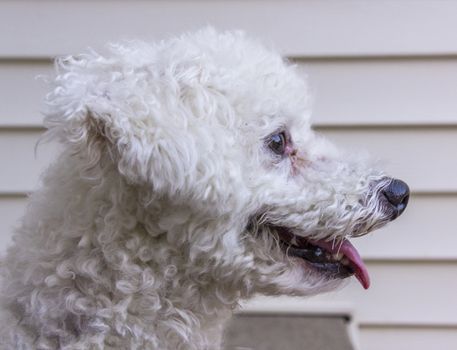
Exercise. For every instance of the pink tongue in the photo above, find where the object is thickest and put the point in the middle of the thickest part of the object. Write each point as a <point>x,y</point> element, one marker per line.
<point>349,251</point>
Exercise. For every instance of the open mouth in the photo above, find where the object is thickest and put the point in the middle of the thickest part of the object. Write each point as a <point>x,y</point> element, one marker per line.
<point>334,260</point>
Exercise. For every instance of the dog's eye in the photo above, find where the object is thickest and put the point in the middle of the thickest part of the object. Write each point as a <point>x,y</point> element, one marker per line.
<point>277,143</point>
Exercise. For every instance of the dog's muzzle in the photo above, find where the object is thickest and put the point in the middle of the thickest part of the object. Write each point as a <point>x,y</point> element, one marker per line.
<point>394,196</point>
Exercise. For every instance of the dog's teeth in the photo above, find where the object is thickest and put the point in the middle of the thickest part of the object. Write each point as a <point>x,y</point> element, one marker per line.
<point>293,241</point>
<point>345,261</point>
<point>338,256</point>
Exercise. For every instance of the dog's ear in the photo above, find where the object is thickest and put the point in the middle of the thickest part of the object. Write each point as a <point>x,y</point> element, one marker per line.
<point>111,108</point>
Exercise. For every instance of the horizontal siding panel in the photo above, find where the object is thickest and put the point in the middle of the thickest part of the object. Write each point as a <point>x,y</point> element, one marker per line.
<point>20,166</point>
<point>383,91</point>
<point>419,156</point>
<point>311,28</point>
<point>403,293</point>
<point>346,92</point>
<point>11,209</point>
<point>400,338</point>
<point>425,231</point>
<point>409,238</point>
<point>21,92</point>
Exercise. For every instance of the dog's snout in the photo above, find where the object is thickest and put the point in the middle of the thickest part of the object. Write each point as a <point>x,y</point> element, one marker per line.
<point>396,193</point>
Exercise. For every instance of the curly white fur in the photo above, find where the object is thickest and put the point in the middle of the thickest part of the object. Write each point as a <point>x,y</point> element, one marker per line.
<point>158,215</point>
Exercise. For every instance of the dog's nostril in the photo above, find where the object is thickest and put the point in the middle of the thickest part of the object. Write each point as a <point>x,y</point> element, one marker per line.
<point>397,194</point>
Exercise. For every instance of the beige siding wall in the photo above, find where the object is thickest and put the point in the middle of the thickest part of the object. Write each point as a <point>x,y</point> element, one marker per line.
<point>384,77</point>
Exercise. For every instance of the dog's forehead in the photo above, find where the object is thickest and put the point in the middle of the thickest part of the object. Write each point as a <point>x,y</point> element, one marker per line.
<point>256,79</point>
<point>266,87</point>
<point>274,98</point>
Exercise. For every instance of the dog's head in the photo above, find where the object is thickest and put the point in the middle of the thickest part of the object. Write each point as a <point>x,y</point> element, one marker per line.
<point>212,130</point>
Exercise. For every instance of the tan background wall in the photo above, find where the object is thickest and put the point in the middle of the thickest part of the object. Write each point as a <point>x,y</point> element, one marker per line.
<point>384,76</point>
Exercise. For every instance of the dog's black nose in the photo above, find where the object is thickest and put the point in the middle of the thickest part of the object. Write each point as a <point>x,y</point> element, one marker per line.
<point>397,194</point>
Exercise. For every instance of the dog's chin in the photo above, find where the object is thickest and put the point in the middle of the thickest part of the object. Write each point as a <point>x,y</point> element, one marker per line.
<point>301,280</point>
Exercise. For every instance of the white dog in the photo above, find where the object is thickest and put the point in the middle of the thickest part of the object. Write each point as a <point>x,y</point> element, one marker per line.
<point>189,179</point>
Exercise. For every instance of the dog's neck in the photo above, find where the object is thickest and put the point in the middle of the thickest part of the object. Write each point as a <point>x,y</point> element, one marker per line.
<point>117,280</point>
